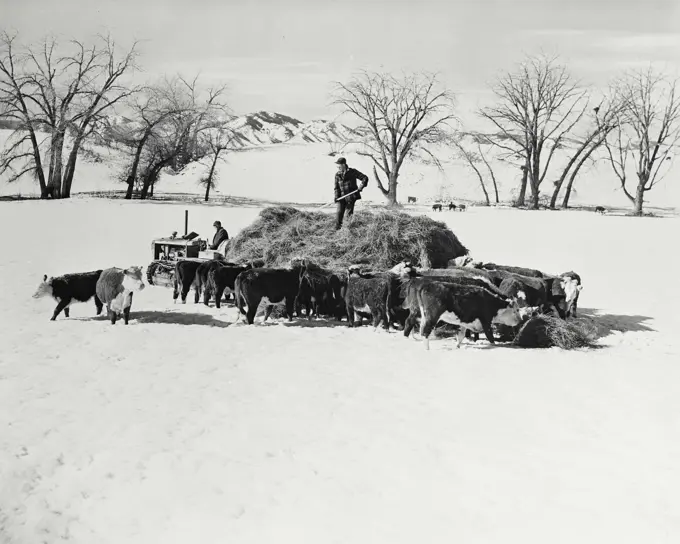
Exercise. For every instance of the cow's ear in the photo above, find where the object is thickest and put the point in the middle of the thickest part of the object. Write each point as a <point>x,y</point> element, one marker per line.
<point>579,287</point>
<point>45,277</point>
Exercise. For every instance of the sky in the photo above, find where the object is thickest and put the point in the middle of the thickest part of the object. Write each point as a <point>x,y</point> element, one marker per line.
<point>284,56</point>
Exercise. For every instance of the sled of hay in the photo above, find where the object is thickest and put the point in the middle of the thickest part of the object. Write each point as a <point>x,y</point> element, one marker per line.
<point>377,239</point>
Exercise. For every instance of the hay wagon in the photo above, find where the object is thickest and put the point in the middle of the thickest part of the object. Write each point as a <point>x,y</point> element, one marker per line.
<point>166,252</point>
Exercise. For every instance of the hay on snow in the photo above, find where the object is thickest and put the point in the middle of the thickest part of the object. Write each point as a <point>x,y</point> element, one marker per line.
<point>545,331</point>
<point>377,239</point>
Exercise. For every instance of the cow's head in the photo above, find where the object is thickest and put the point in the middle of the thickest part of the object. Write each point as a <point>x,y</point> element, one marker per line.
<point>509,315</point>
<point>354,270</point>
<point>404,269</point>
<point>44,289</point>
<point>571,284</point>
<point>133,278</point>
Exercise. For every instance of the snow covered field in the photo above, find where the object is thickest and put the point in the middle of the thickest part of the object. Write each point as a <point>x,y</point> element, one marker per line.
<point>184,428</point>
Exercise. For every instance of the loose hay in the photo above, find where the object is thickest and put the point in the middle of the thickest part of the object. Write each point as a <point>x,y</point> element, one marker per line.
<point>378,239</point>
<point>545,331</point>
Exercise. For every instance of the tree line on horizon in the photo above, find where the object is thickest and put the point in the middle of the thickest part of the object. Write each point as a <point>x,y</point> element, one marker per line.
<point>52,91</point>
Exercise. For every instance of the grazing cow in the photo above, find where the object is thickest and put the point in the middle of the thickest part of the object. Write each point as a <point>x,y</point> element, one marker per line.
<point>201,284</point>
<point>600,209</point>
<point>115,288</point>
<point>319,290</point>
<point>571,283</point>
<point>411,200</point>
<point>79,287</point>
<point>471,308</point>
<point>452,206</point>
<point>222,279</point>
<point>185,274</point>
<point>436,207</point>
<point>530,272</point>
<point>462,207</point>
<point>273,285</point>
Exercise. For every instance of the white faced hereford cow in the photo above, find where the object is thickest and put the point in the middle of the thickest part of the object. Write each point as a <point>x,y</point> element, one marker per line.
<point>78,287</point>
<point>115,288</point>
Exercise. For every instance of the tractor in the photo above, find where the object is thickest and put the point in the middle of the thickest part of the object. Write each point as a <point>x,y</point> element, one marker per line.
<point>166,252</point>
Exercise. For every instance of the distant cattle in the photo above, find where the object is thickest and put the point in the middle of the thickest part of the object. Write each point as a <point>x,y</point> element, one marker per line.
<point>273,285</point>
<point>600,209</point>
<point>411,200</point>
<point>115,288</point>
<point>470,307</point>
<point>221,280</point>
<point>78,287</point>
<point>436,207</point>
<point>462,207</point>
<point>452,206</point>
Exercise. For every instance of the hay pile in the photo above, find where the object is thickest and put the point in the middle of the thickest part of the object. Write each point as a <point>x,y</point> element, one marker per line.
<point>378,239</point>
<point>546,331</point>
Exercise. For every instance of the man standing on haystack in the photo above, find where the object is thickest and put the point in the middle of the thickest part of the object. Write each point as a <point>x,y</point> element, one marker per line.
<point>346,184</point>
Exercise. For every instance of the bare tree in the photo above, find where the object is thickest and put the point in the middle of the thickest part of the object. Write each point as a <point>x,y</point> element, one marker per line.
<point>65,90</point>
<point>473,160</point>
<point>538,105</point>
<point>218,141</point>
<point>604,119</point>
<point>400,117</point>
<point>647,132</point>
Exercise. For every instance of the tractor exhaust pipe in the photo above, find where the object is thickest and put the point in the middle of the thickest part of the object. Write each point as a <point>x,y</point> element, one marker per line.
<point>186,222</point>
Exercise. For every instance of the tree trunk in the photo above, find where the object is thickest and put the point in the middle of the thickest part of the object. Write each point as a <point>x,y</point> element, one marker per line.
<point>558,185</point>
<point>481,182</point>
<point>639,197</point>
<point>71,167</point>
<point>55,180</point>
<point>521,197</point>
<point>135,166</point>
<point>488,166</point>
<point>534,179</point>
<point>392,191</point>
<point>210,176</point>
<point>567,194</point>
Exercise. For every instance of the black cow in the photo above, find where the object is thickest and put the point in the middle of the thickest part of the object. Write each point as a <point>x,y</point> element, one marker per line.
<point>436,207</point>
<point>221,279</point>
<point>462,207</point>
<point>600,209</point>
<point>366,295</point>
<point>321,291</point>
<point>452,206</point>
<point>467,306</point>
<point>185,273</point>
<point>274,285</point>
<point>411,200</point>
<point>201,283</point>
<point>66,289</point>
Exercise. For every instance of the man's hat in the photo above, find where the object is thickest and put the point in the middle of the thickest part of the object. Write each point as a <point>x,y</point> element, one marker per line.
<point>217,224</point>
<point>341,160</point>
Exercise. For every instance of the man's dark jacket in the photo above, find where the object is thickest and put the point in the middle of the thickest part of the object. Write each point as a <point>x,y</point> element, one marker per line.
<point>220,236</point>
<point>347,182</point>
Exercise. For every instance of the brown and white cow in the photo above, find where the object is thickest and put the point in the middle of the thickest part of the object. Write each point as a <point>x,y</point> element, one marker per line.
<point>115,288</point>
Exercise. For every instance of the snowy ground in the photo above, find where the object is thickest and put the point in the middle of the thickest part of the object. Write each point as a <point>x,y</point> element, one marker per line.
<point>184,428</point>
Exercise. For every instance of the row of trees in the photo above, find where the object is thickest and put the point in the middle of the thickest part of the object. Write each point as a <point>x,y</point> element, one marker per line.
<point>58,98</point>
<point>540,110</point>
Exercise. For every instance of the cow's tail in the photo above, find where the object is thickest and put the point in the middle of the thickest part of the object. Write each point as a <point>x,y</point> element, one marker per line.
<point>238,298</point>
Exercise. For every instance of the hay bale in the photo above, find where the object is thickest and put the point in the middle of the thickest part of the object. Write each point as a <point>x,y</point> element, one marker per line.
<point>545,331</point>
<point>379,239</point>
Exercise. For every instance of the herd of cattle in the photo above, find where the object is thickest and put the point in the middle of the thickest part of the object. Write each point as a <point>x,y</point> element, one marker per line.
<point>475,297</point>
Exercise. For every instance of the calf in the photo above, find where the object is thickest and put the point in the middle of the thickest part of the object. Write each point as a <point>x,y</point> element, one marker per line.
<point>115,288</point>
<point>185,273</point>
<point>222,279</point>
<point>367,294</point>
<point>79,287</point>
<point>436,207</point>
<point>319,290</point>
<point>571,283</point>
<point>452,206</point>
<point>201,284</point>
<point>273,285</point>
<point>411,200</point>
<point>600,209</point>
<point>467,306</point>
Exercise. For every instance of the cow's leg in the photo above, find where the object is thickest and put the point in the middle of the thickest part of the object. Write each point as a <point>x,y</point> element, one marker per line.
<point>185,292</point>
<point>426,328</point>
<point>175,291</point>
<point>289,308</point>
<point>126,311</point>
<point>197,293</point>
<point>112,315</point>
<point>460,336</point>
<point>98,304</point>
<point>488,332</point>
<point>206,295</point>
<point>252,310</point>
<point>63,303</point>
<point>267,312</point>
<point>351,315</point>
<point>410,323</point>
<point>67,311</point>
<point>219,291</point>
